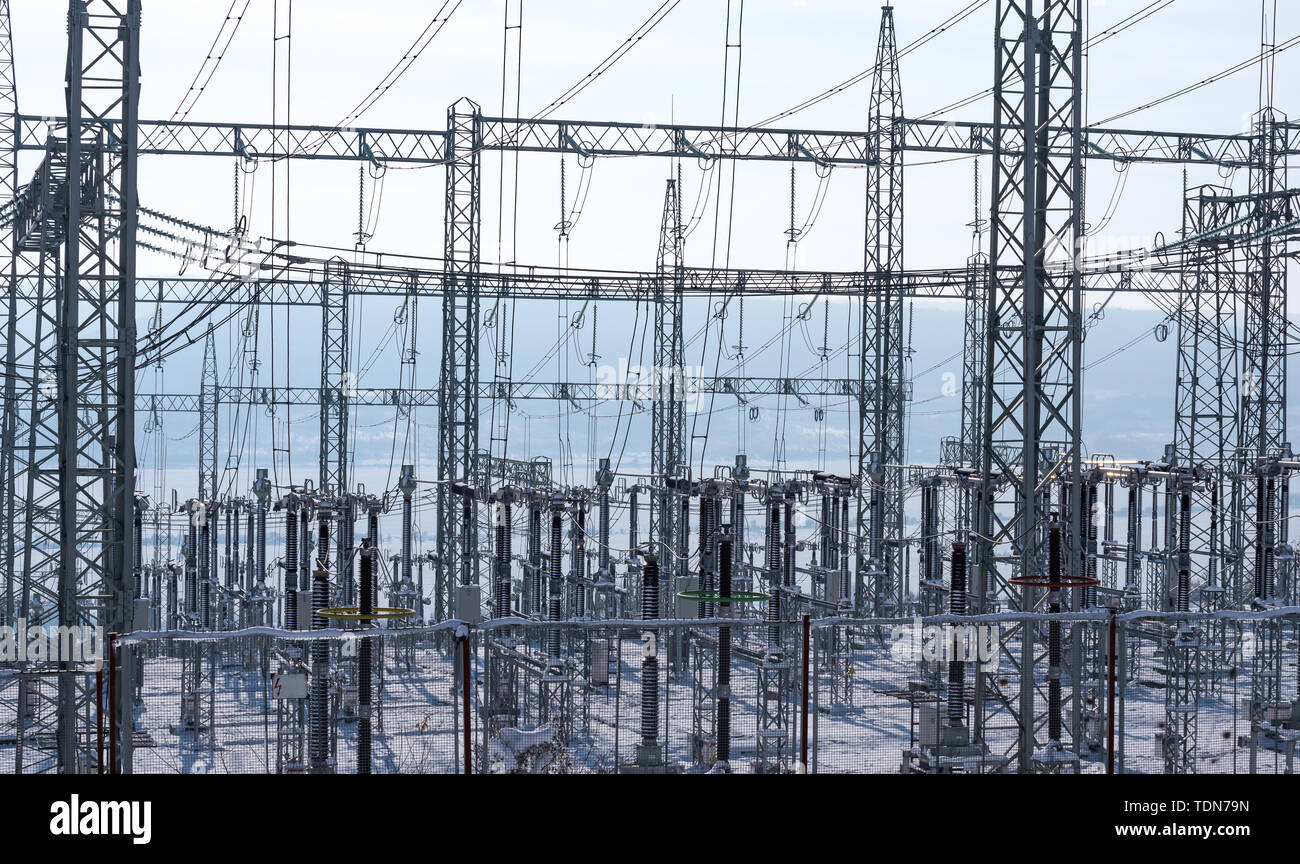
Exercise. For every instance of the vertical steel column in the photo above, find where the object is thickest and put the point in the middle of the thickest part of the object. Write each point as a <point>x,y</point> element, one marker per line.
<point>881,376</point>
<point>459,370</point>
<point>336,386</point>
<point>667,413</point>
<point>774,668</point>
<point>208,421</point>
<point>1182,656</point>
<point>1264,342</point>
<point>97,340</point>
<point>1207,397</point>
<point>974,343</point>
<point>9,407</point>
<point>1032,398</point>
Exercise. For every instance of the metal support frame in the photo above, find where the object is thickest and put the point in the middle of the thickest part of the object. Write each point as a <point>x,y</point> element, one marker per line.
<point>881,403</point>
<point>459,371</point>
<point>335,386</point>
<point>1206,401</point>
<point>1032,397</point>
<point>668,418</point>
<point>91,349</point>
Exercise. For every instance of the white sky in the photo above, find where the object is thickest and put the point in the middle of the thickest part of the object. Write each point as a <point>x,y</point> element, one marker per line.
<point>792,49</point>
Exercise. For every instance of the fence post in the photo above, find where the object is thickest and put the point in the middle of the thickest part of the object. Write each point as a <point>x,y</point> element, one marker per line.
<point>1122,651</point>
<point>468,691</point>
<point>803,722</point>
<point>1110,695</point>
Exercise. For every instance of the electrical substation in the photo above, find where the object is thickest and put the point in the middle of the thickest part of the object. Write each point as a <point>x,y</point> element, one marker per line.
<point>535,517</point>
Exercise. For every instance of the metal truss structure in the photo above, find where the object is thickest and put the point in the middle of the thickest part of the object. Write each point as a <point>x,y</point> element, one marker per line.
<point>1015,484</point>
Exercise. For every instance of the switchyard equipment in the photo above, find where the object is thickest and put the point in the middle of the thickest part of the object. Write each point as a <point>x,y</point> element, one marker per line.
<point>1049,628</point>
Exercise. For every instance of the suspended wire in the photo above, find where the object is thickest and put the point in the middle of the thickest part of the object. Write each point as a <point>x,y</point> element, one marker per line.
<point>643,30</point>
<point>1113,30</point>
<point>1264,55</point>
<point>956,18</point>
<point>210,62</point>
<point>728,45</point>
<point>391,77</point>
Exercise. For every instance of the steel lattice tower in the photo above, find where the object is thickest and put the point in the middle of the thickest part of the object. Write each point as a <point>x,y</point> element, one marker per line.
<point>335,387</point>
<point>79,216</point>
<point>883,390</point>
<point>1206,402</point>
<point>208,423</point>
<point>9,187</point>
<point>1032,400</point>
<point>667,382</point>
<point>459,375</point>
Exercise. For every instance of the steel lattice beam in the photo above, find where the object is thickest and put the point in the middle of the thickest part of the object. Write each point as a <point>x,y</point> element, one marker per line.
<point>599,138</point>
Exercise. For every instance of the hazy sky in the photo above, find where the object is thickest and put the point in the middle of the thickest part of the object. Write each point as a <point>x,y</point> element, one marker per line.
<point>791,49</point>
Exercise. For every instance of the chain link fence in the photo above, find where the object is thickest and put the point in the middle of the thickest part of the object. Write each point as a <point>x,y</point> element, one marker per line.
<point>1191,694</point>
